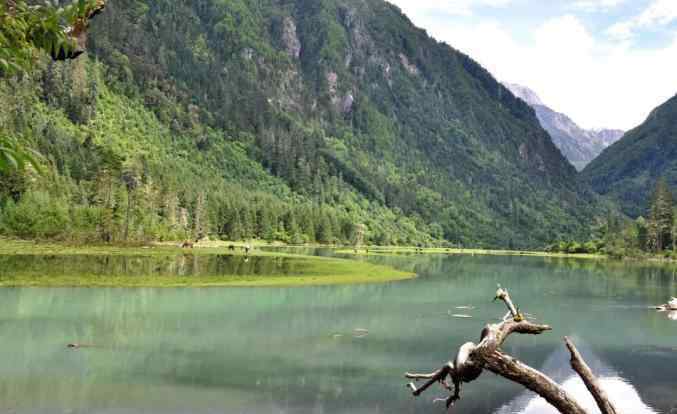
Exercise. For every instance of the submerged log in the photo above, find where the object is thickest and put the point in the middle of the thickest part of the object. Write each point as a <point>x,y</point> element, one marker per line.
<point>472,359</point>
<point>670,306</point>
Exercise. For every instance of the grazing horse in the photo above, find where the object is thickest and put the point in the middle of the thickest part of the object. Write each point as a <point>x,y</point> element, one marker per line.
<point>187,244</point>
<point>231,248</point>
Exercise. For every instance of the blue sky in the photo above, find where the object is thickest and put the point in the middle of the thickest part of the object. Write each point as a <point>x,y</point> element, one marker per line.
<point>606,63</point>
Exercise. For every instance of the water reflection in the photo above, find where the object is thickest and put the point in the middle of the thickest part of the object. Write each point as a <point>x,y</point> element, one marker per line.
<point>174,265</point>
<point>620,391</point>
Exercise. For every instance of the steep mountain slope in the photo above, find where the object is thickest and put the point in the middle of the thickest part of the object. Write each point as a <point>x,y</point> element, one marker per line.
<point>579,146</point>
<point>628,170</point>
<point>344,104</point>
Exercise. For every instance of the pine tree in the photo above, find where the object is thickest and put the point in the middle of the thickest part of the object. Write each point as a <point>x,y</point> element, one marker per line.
<point>642,234</point>
<point>358,235</point>
<point>131,180</point>
<point>200,224</point>
<point>661,218</point>
<point>234,228</point>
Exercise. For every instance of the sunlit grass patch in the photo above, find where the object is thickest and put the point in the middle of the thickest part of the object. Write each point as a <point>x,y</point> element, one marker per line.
<point>52,265</point>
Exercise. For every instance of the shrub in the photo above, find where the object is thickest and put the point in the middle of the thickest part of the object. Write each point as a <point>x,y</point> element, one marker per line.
<point>36,215</point>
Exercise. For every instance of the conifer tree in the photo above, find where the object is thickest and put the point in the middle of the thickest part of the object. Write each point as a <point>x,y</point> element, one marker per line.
<point>641,233</point>
<point>661,218</point>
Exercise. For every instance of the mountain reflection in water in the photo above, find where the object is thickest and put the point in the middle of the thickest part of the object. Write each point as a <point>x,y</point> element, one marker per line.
<point>623,395</point>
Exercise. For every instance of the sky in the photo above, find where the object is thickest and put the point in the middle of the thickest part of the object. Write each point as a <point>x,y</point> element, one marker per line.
<point>605,63</point>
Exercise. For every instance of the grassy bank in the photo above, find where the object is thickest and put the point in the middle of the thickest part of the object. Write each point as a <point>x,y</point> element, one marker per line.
<point>455,251</point>
<point>24,247</point>
<point>28,264</point>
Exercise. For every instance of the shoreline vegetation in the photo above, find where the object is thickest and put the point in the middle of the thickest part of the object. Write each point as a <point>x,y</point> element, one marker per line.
<point>460,251</point>
<point>213,247</point>
<point>651,239</point>
<point>305,270</point>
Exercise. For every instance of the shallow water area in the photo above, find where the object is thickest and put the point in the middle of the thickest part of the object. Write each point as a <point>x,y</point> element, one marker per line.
<point>187,264</point>
<point>329,349</point>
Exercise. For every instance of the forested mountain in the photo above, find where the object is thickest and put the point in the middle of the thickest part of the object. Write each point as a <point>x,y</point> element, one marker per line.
<point>628,170</point>
<point>282,119</point>
<point>578,145</point>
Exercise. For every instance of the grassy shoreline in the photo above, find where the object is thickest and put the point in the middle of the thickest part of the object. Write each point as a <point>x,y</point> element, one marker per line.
<point>19,247</point>
<point>306,270</point>
<point>468,252</point>
<point>25,247</point>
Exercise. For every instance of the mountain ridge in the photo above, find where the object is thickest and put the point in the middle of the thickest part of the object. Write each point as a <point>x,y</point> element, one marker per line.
<point>343,106</point>
<point>627,171</point>
<point>579,145</point>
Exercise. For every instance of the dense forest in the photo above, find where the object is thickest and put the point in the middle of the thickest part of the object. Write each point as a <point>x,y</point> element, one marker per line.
<point>291,120</point>
<point>627,171</point>
<point>621,236</point>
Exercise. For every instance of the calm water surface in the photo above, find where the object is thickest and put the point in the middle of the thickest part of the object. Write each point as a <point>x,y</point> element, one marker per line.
<point>339,349</point>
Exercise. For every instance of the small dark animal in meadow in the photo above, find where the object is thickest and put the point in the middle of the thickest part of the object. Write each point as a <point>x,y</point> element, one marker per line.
<point>187,244</point>
<point>231,248</point>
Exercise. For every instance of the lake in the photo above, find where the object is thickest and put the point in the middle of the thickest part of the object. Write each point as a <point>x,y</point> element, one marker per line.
<point>335,349</point>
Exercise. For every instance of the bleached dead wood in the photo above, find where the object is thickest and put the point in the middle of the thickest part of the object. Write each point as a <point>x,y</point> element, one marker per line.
<point>589,379</point>
<point>472,359</point>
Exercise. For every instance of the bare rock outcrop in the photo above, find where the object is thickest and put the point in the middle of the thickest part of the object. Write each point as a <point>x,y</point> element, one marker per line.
<point>290,38</point>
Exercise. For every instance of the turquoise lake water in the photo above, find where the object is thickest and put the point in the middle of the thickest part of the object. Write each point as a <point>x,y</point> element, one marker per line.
<point>334,349</point>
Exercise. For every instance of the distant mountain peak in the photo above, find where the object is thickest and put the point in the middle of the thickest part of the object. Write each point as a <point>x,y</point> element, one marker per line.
<point>578,145</point>
<point>525,94</point>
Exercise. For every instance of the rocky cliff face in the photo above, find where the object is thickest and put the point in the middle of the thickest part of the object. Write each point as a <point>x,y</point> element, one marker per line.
<point>607,136</point>
<point>578,145</point>
<point>525,94</point>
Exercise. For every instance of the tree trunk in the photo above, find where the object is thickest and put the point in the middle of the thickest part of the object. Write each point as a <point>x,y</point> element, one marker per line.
<point>130,200</point>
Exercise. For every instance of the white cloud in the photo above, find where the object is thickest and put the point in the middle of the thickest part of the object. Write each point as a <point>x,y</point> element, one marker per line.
<point>597,82</point>
<point>566,34</point>
<point>451,7</point>
<point>658,13</point>
<point>622,31</point>
<point>596,5</point>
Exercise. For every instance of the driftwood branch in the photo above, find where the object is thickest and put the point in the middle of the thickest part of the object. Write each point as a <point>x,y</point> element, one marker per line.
<point>494,360</point>
<point>503,295</point>
<point>589,379</point>
<point>670,306</point>
<point>472,359</point>
<point>534,380</point>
